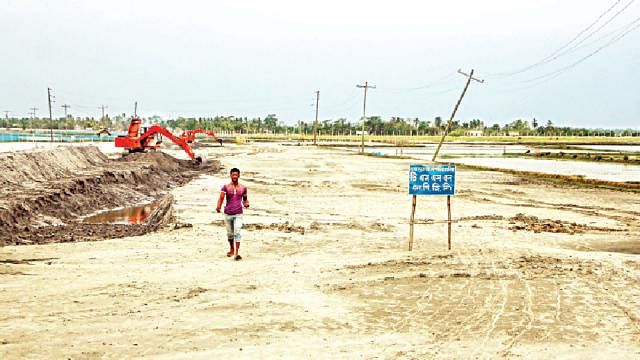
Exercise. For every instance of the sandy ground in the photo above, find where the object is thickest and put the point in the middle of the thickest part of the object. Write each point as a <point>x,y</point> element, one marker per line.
<point>536,271</point>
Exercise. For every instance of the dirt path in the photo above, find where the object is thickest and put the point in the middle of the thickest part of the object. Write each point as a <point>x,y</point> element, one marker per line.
<point>326,273</point>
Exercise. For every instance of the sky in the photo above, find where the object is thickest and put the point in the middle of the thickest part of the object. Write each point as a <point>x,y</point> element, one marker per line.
<point>571,62</point>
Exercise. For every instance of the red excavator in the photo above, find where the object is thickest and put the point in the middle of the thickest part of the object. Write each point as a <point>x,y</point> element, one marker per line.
<point>151,138</point>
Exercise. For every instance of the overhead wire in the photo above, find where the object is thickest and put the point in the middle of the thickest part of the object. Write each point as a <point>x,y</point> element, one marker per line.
<point>587,28</point>
<point>534,83</point>
<point>569,47</point>
<point>428,85</point>
<point>630,28</point>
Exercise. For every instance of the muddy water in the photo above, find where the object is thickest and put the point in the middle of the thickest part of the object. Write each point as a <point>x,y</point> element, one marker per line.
<point>492,149</point>
<point>130,215</point>
<point>449,149</point>
<point>598,171</point>
<point>491,156</point>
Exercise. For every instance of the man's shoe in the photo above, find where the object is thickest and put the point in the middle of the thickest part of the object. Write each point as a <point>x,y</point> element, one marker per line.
<point>238,257</point>
<point>230,253</point>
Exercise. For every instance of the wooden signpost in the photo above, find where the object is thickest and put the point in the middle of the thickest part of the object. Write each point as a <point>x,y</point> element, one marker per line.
<point>431,180</point>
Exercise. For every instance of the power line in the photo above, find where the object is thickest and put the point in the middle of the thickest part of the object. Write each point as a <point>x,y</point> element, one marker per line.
<point>631,27</point>
<point>536,82</point>
<point>561,51</point>
<point>587,28</point>
<point>579,43</point>
<point>430,84</point>
<point>600,27</point>
<point>352,97</point>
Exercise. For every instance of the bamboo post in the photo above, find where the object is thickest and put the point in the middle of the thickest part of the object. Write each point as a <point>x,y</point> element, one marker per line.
<point>449,219</point>
<point>413,213</point>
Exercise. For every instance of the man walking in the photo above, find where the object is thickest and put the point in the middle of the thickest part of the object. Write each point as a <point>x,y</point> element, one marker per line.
<point>236,195</point>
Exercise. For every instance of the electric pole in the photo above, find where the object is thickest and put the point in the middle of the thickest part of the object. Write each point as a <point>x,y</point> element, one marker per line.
<point>65,107</point>
<point>455,109</point>
<point>49,96</point>
<point>33,114</point>
<point>315,124</point>
<point>102,107</point>
<point>364,111</point>
<point>102,118</point>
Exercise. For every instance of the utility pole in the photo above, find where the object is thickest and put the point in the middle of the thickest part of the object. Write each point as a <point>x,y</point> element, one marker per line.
<point>102,107</point>
<point>65,107</point>
<point>6,119</point>
<point>364,111</point>
<point>49,96</point>
<point>33,113</point>
<point>102,118</point>
<point>455,109</point>
<point>315,124</point>
<point>135,109</point>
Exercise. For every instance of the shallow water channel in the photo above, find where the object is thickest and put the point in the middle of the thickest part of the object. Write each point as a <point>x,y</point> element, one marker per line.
<point>130,215</point>
<point>591,170</point>
<point>489,155</point>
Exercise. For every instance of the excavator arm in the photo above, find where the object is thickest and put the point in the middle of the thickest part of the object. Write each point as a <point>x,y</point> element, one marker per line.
<point>155,129</point>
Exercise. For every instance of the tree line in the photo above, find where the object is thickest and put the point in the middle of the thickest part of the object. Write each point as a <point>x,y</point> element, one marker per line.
<point>374,125</point>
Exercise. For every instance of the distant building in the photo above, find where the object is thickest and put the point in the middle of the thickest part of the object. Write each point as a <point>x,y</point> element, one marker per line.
<point>512,133</point>
<point>473,133</point>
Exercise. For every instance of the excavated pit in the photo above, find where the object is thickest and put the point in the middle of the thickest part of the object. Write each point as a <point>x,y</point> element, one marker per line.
<point>46,194</point>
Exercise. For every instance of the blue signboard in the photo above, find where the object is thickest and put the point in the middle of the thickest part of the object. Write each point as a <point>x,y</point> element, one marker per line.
<point>432,180</point>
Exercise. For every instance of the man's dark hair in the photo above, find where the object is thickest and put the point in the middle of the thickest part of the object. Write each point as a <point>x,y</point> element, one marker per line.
<point>235,170</point>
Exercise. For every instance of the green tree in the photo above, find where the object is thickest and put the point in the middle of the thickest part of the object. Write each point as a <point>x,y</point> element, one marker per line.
<point>271,122</point>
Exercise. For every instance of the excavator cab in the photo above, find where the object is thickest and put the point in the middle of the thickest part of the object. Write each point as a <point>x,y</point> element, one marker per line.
<point>134,127</point>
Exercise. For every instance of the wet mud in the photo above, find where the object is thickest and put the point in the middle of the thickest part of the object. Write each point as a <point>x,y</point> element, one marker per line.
<point>45,194</point>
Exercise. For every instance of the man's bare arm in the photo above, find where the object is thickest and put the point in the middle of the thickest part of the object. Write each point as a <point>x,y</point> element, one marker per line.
<point>220,200</point>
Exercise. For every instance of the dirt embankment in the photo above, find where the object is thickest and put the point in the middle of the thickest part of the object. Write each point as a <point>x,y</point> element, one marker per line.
<point>45,193</point>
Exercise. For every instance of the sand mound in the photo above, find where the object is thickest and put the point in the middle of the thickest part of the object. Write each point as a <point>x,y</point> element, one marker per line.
<point>45,192</point>
<point>48,165</point>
